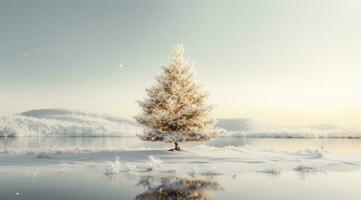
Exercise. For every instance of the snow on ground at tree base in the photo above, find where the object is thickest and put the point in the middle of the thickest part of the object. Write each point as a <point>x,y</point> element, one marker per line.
<point>61,122</point>
<point>202,160</point>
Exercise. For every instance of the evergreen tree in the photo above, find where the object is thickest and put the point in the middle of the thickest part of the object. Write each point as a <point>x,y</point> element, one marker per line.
<point>175,110</point>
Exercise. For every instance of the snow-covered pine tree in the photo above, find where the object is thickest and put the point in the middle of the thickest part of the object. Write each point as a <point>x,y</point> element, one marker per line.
<point>175,110</point>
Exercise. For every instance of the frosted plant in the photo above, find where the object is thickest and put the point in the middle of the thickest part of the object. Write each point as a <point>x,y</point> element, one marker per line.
<point>154,164</point>
<point>175,110</point>
<point>114,167</point>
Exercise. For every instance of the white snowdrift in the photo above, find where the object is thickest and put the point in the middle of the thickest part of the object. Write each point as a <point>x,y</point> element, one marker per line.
<point>254,129</point>
<point>61,122</point>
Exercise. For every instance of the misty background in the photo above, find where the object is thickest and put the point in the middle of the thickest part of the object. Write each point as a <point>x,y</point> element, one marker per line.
<point>278,61</point>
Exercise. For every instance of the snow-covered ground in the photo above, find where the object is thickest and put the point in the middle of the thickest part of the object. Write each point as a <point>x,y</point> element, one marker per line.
<point>200,160</point>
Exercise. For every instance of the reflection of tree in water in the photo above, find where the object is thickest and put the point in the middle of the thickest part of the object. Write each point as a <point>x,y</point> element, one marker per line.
<point>176,188</point>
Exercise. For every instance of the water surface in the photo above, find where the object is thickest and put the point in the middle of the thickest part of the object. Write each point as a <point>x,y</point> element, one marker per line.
<point>34,177</point>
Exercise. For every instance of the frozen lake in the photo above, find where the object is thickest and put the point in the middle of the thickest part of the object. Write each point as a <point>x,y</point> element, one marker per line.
<point>85,168</point>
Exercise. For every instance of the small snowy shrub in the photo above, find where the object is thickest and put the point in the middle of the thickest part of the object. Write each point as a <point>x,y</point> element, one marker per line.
<point>114,167</point>
<point>154,164</point>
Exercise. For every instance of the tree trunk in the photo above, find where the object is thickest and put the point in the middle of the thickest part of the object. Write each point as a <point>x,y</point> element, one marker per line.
<point>176,147</point>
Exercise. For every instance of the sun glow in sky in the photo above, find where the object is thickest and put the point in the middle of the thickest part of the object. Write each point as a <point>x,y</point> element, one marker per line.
<point>277,61</point>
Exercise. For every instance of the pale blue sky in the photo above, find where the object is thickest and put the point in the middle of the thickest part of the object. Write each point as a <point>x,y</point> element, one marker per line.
<point>277,61</point>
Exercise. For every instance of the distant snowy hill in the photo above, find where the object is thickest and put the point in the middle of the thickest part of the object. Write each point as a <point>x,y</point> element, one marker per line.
<point>61,122</point>
<point>254,129</point>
